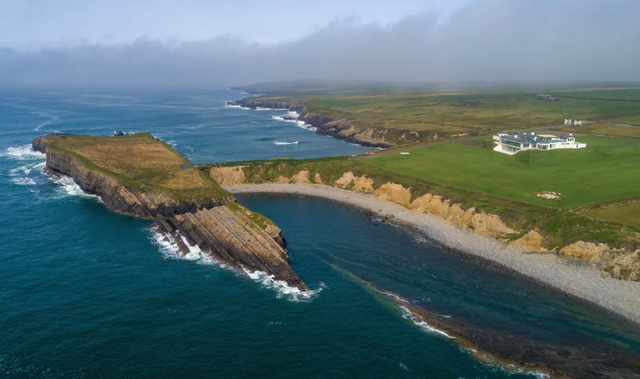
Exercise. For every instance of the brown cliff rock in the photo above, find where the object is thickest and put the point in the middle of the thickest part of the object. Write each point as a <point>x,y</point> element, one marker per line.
<point>587,250</point>
<point>301,178</point>
<point>533,241</point>
<point>395,193</point>
<point>228,176</point>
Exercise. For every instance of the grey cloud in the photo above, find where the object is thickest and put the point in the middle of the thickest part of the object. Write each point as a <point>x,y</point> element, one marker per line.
<point>487,40</point>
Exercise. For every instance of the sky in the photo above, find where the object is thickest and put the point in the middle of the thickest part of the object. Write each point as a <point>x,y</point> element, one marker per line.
<point>213,44</point>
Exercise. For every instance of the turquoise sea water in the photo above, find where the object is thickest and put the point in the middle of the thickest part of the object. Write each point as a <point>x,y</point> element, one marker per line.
<point>87,293</point>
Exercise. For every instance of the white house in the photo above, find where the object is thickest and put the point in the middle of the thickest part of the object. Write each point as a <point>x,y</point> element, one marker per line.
<point>569,122</point>
<point>511,144</point>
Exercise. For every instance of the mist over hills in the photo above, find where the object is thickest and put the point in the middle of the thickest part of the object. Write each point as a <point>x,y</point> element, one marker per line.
<point>487,41</point>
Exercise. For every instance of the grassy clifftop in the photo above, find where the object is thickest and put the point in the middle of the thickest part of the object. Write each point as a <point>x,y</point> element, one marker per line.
<point>142,163</point>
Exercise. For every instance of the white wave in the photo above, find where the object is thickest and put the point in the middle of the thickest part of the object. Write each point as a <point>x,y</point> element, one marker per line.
<point>286,143</point>
<point>304,125</point>
<point>26,169</point>
<point>172,143</point>
<point>227,105</point>
<point>299,123</point>
<point>169,249</point>
<point>23,153</point>
<point>408,315</point>
<point>513,370</point>
<point>67,187</point>
<point>23,181</point>
<point>270,109</point>
<point>283,290</point>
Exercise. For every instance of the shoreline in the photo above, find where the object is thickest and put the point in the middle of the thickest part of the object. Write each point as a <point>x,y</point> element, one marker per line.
<point>323,126</point>
<point>574,278</point>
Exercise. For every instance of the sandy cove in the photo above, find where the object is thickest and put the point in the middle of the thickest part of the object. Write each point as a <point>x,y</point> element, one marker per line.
<point>565,274</point>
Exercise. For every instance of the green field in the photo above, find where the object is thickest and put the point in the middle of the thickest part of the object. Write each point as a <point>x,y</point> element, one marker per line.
<point>583,177</point>
<point>624,213</point>
<point>610,130</point>
<point>454,114</point>
<point>630,119</point>
<point>613,94</point>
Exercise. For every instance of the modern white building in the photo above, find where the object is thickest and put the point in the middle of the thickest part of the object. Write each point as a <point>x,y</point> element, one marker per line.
<point>569,122</point>
<point>511,144</point>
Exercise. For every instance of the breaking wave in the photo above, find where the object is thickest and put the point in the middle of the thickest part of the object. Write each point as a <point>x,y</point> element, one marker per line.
<point>408,315</point>
<point>21,176</point>
<point>23,181</point>
<point>170,250</point>
<point>227,105</point>
<point>67,187</point>
<point>286,143</point>
<point>23,153</point>
<point>292,117</point>
<point>270,109</point>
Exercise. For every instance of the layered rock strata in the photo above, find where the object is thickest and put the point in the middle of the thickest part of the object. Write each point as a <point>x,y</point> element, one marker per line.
<point>232,238</point>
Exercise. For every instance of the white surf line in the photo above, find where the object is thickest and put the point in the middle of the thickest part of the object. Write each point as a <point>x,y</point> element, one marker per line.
<point>169,249</point>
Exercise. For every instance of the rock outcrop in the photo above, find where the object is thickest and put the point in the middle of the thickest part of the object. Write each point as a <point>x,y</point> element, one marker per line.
<point>341,129</point>
<point>220,227</point>
<point>228,176</point>
<point>231,237</point>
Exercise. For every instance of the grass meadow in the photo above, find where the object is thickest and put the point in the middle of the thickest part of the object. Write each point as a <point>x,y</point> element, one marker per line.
<point>583,177</point>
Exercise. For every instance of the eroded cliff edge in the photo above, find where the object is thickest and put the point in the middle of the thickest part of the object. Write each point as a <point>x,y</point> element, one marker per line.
<point>201,216</point>
<point>513,226</point>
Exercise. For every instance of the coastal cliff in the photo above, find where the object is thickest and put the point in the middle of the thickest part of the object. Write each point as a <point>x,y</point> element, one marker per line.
<point>622,262</point>
<point>206,217</point>
<point>340,129</point>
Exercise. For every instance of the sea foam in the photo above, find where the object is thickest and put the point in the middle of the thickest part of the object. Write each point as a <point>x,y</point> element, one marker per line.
<point>293,118</point>
<point>408,315</point>
<point>67,187</point>
<point>23,153</point>
<point>168,247</point>
<point>227,105</point>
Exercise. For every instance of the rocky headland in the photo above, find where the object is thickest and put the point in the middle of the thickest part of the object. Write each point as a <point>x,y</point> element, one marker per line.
<point>205,216</point>
<point>340,129</point>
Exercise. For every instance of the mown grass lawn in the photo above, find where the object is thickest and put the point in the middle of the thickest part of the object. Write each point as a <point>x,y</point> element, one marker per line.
<point>586,176</point>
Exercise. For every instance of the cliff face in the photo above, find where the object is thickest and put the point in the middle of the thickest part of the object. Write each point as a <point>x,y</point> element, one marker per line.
<point>119,197</point>
<point>221,228</point>
<point>340,129</point>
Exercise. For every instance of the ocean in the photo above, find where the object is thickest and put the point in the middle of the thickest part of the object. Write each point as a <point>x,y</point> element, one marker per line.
<point>88,293</point>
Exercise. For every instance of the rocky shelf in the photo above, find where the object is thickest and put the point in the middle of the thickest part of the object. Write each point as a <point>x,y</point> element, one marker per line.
<point>231,237</point>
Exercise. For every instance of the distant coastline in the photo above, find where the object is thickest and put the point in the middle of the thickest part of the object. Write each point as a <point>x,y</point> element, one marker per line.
<point>339,129</point>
